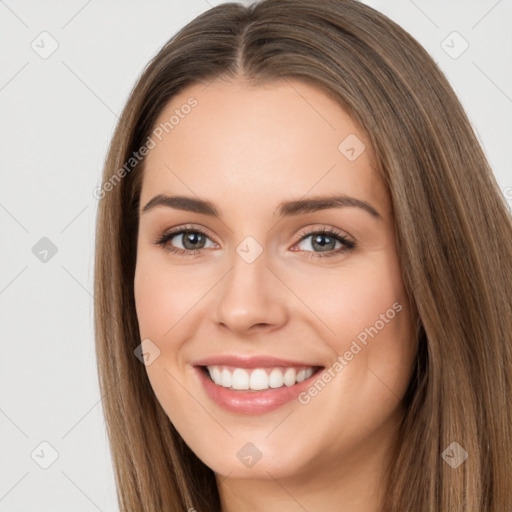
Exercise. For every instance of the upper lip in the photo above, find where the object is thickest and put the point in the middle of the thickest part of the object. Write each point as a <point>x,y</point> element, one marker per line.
<point>240,361</point>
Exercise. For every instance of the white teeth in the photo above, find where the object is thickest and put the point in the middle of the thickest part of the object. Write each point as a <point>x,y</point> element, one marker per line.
<point>240,379</point>
<point>276,379</point>
<point>289,376</point>
<point>226,378</point>
<point>259,378</point>
<point>216,375</point>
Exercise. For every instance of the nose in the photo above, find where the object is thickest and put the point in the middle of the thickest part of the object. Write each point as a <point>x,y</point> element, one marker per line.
<point>251,298</point>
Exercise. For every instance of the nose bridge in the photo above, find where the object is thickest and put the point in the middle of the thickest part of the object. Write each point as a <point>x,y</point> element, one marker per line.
<point>249,294</point>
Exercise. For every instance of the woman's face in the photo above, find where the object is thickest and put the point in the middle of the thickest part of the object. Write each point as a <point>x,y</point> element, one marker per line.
<point>257,293</point>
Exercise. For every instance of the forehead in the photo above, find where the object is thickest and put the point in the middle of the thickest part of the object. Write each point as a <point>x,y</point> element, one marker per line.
<point>258,145</point>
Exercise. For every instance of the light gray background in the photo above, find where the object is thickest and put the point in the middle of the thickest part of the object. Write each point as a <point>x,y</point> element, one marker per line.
<point>57,116</point>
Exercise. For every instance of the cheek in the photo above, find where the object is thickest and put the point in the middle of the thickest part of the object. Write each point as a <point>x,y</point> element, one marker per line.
<point>366,310</point>
<point>162,300</point>
<point>163,294</point>
<point>353,298</point>
<point>153,298</point>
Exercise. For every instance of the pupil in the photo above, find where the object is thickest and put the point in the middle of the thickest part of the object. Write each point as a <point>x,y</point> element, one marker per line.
<point>318,239</point>
<point>191,238</point>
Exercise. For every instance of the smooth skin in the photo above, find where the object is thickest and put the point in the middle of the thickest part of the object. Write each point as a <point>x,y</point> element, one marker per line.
<point>246,149</point>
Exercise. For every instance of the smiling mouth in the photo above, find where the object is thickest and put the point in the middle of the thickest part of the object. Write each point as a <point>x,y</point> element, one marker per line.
<point>258,379</point>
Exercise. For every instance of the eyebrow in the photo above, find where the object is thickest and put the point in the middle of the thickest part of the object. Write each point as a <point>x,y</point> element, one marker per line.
<point>285,209</point>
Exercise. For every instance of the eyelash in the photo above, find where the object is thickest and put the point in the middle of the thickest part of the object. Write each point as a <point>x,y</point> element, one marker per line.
<point>332,233</point>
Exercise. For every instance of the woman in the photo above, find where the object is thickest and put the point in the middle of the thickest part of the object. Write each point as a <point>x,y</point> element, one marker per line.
<point>303,275</point>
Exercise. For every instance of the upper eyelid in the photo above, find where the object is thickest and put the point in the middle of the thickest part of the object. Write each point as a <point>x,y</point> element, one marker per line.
<point>171,232</point>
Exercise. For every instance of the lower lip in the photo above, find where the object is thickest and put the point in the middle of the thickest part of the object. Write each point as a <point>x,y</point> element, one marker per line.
<point>252,402</point>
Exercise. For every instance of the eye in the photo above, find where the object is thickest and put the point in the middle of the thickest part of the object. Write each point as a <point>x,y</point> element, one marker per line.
<point>325,241</point>
<point>193,241</point>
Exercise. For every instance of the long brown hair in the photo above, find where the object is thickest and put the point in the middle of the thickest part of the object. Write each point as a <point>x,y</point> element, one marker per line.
<point>454,235</point>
